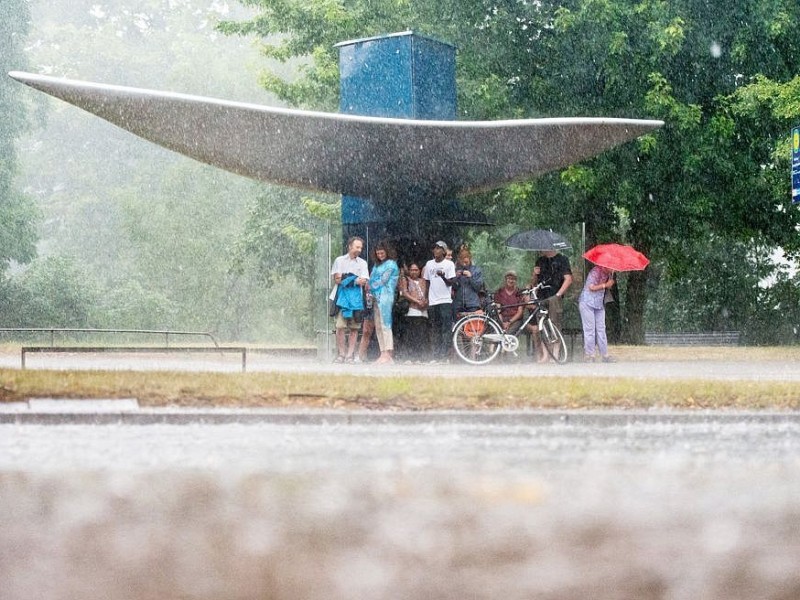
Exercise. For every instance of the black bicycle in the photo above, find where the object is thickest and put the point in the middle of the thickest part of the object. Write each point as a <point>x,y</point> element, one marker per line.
<point>478,338</point>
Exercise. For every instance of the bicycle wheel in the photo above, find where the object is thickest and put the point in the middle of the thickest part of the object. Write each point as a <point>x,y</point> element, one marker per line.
<point>477,340</point>
<point>553,341</point>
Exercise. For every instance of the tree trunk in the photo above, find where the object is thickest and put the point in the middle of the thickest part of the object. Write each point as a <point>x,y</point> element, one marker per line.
<point>614,318</point>
<point>633,331</point>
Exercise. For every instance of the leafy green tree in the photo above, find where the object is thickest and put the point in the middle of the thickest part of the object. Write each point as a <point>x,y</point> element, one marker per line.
<point>53,292</point>
<point>281,240</point>
<point>180,247</point>
<point>703,175</point>
<point>17,212</point>
<point>131,305</point>
<point>155,230</point>
<point>766,307</point>
<point>779,319</point>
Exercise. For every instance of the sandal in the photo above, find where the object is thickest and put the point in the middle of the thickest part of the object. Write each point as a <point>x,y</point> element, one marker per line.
<point>339,359</point>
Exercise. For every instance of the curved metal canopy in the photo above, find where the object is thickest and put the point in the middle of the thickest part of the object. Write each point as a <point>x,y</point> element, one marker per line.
<point>370,157</point>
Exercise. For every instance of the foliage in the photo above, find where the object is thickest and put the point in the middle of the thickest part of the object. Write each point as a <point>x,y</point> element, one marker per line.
<point>703,176</point>
<point>52,292</point>
<point>130,305</point>
<point>282,236</point>
<point>777,320</point>
<point>17,212</point>
<point>154,232</point>
<point>725,301</point>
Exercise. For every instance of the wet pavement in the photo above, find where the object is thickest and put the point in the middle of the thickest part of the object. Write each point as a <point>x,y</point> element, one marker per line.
<point>313,505</point>
<point>729,370</point>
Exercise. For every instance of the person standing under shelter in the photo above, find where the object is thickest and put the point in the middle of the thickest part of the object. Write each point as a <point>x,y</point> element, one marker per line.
<point>591,305</point>
<point>440,274</point>
<point>468,284</point>
<point>383,284</point>
<point>553,270</point>
<point>415,289</point>
<point>350,263</point>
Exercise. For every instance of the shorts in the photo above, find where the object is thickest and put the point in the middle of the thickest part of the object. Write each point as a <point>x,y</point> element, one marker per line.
<point>351,323</point>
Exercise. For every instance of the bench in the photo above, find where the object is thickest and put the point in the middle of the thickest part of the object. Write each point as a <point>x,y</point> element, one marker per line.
<point>134,350</point>
<point>711,338</point>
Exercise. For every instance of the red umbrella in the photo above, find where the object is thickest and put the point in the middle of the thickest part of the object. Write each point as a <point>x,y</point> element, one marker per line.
<point>617,257</point>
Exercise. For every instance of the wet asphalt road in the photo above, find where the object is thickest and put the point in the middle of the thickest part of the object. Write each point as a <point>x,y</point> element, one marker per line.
<point>446,505</point>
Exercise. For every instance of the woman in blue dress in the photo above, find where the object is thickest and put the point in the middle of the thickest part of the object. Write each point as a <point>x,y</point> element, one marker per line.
<point>383,284</point>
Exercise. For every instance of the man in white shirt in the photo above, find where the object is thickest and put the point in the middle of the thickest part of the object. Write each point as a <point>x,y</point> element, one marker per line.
<point>350,263</point>
<point>440,273</point>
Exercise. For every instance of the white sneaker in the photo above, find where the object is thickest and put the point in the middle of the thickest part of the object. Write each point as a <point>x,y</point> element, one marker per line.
<point>357,360</point>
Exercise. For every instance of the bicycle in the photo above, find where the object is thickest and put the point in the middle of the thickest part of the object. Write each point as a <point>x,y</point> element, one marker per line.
<point>478,338</point>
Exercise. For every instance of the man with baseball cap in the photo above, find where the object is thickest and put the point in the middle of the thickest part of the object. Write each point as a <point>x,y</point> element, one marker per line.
<point>440,273</point>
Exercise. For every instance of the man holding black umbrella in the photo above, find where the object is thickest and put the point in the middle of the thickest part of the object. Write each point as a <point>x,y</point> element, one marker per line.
<point>553,269</point>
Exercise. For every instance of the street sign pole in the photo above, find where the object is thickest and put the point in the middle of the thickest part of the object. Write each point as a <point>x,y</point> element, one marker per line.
<point>796,165</point>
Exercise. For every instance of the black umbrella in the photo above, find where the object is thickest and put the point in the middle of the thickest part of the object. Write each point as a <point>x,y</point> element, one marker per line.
<point>538,239</point>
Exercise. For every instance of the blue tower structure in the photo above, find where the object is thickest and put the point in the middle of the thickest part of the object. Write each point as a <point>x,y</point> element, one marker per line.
<point>400,75</point>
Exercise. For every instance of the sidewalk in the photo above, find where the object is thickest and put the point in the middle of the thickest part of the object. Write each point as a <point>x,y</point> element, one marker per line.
<point>758,369</point>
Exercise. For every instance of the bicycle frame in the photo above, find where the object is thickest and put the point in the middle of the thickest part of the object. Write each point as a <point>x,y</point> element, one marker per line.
<point>509,342</point>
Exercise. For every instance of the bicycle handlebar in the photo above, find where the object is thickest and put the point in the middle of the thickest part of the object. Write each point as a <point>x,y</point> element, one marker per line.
<point>536,288</point>
<point>533,290</point>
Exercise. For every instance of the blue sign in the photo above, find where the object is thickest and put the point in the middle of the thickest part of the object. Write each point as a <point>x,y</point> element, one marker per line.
<point>796,165</point>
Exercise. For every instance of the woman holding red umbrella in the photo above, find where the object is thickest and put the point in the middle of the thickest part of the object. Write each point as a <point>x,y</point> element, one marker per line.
<point>593,313</point>
<point>607,259</point>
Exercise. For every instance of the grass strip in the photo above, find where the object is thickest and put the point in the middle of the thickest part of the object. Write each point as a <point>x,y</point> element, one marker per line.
<point>298,390</point>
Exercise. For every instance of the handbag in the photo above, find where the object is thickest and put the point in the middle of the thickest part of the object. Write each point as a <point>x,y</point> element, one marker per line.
<point>333,309</point>
<point>402,305</point>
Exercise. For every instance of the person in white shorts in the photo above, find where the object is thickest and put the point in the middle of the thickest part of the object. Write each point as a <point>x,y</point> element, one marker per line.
<point>350,263</point>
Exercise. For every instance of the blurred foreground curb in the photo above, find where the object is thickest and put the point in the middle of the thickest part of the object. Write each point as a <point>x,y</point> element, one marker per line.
<point>54,411</point>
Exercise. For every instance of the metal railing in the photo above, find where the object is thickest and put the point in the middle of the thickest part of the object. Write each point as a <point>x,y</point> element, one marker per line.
<point>131,350</point>
<point>54,330</point>
<point>706,338</point>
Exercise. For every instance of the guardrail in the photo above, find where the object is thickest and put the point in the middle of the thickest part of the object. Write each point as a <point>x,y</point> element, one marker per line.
<point>54,330</point>
<point>710,338</point>
<point>133,350</point>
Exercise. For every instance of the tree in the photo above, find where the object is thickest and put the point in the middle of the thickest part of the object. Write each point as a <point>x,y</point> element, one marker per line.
<point>282,239</point>
<point>155,231</point>
<point>704,174</point>
<point>17,212</point>
<point>711,171</point>
<point>53,292</point>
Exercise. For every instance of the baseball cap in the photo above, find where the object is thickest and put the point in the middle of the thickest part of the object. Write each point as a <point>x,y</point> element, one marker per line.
<point>442,245</point>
